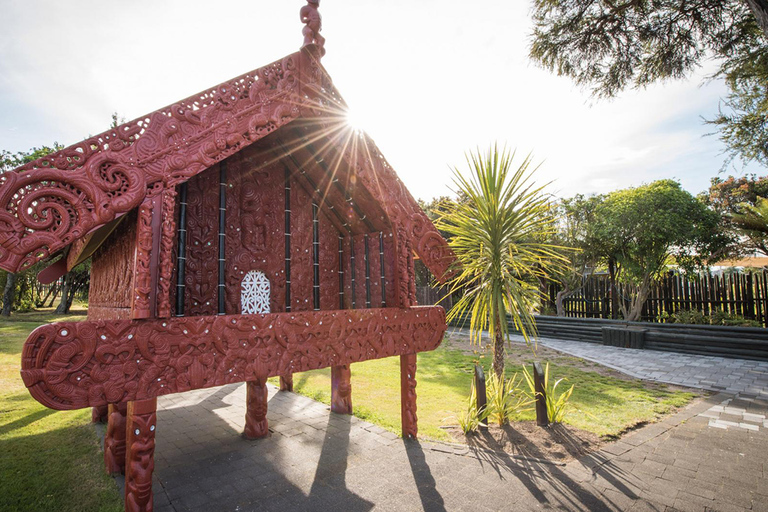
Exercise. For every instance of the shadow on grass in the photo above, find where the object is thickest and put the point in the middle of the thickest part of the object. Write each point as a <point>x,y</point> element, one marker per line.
<point>25,420</point>
<point>61,469</point>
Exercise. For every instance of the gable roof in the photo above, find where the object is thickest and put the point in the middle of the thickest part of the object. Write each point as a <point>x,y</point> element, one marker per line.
<point>58,199</point>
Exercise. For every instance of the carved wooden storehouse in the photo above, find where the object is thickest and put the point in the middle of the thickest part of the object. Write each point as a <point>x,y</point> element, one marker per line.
<point>242,233</point>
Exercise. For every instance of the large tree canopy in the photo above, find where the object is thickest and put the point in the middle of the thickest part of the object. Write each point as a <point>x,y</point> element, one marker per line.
<point>608,46</point>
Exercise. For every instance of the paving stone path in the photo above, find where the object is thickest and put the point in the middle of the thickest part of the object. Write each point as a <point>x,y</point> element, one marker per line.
<point>735,376</point>
<point>317,460</point>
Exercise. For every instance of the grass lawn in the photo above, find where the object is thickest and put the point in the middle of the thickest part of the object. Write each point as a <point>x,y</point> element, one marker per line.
<point>602,404</point>
<point>49,460</point>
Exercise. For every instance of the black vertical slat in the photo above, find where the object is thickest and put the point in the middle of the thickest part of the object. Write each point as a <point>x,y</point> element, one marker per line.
<point>222,232</point>
<point>367,275</point>
<point>181,262</point>
<point>352,270</point>
<point>287,240</point>
<point>315,258</point>
<point>341,272</point>
<point>381,264</point>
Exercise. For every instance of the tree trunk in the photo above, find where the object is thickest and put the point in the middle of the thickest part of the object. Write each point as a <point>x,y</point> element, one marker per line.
<point>9,293</point>
<point>66,288</point>
<point>498,353</point>
<point>559,298</point>
<point>614,294</point>
<point>760,10</point>
<point>55,294</point>
<point>638,301</point>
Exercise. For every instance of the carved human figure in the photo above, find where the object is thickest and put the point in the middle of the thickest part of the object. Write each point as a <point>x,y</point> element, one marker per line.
<point>256,425</point>
<point>341,389</point>
<point>313,22</point>
<point>139,456</point>
<point>114,439</point>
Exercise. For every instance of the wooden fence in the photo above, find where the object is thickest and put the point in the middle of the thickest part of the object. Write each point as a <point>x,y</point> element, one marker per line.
<point>745,295</point>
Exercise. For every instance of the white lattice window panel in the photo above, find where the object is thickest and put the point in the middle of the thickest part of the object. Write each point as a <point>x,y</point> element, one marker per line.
<point>254,293</point>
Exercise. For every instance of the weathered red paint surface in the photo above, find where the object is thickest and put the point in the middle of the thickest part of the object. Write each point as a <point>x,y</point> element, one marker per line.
<point>71,365</point>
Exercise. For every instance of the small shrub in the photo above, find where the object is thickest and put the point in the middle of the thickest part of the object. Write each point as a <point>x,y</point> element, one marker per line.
<point>469,418</point>
<point>505,398</point>
<point>557,405</point>
<point>689,316</point>
<point>723,318</point>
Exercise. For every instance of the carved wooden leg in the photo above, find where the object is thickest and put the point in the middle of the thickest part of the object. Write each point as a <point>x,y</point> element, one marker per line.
<point>256,425</point>
<point>114,439</point>
<point>341,389</point>
<point>140,455</point>
<point>99,414</point>
<point>408,396</point>
<point>286,382</point>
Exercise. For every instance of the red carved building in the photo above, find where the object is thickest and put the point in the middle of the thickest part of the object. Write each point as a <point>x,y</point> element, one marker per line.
<point>242,233</point>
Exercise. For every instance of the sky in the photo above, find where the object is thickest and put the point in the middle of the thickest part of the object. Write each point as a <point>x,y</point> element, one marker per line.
<point>427,80</point>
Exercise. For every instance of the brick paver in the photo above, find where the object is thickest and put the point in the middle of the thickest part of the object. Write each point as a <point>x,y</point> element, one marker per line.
<point>316,460</point>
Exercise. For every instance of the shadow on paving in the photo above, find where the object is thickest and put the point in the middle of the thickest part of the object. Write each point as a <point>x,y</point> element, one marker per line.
<point>317,460</point>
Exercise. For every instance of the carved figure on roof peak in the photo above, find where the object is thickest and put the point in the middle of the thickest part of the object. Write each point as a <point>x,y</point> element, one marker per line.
<point>313,22</point>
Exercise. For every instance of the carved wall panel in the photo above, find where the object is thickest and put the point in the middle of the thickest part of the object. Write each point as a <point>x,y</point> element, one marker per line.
<point>302,276</point>
<point>202,251</point>
<point>329,263</point>
<point>374,263</point>
<point>167,255</point>
<point>72,365</point>
<point>142,271</point>
<point>255,227</point>
<point>113,263</point>
<point>359,241</point>
<point>389,269</point>
<point>87,184</point>
<point>347,266</point>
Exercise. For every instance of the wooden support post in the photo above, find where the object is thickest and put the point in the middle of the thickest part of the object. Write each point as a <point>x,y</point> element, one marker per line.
<point>99,414</point>
<point>480,394</point>
<point>408,396</point>
<point>140,454</point>
<point>256,426</point>
<point>286,382</point>
<point>114,439</point>
<point>341,389</point>
<point>542,418</point>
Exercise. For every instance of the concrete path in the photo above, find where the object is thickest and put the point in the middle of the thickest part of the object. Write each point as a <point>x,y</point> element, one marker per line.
<point>735,376</point>
<point>316,460</point>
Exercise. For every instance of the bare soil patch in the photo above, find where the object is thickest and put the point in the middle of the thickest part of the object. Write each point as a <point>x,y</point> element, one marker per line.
<point>556,443</point>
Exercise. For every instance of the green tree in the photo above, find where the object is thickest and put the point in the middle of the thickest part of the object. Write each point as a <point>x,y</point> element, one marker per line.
<point>609,46</point>
<point>499,237</point>
<point>579,248</point>
<point>651,227</point>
